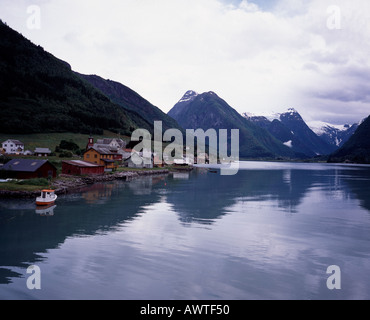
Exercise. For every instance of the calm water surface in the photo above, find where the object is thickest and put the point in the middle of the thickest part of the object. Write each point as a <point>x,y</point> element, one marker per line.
<point>269,232</point>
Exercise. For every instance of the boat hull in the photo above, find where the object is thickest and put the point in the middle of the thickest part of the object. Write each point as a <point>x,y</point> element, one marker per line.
<point>45,202</point>
<point>41,203</point>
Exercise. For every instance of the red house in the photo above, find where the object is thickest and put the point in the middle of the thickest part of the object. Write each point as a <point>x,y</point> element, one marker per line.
<point>29,169</point>
<point>80,168</point>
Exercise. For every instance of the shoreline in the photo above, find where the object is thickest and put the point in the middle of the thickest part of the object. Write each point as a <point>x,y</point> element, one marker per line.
<point>65,184</point>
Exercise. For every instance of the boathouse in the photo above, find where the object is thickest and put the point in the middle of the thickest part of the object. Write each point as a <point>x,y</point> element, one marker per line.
<point>80,168</point>
<point>29,169</point>
<point>42,152</point>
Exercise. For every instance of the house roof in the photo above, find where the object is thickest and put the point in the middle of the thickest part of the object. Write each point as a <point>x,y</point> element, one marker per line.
<point>104,151</point>
<point>42,150</point>
<point>104,146</point>
<point>120,142</point>
<point>24,165</point>
<point>83,164</point>
<point>16,142</point>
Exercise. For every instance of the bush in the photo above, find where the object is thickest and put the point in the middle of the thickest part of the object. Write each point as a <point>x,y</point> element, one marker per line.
<point>68,145</point>
<point>66,154</point>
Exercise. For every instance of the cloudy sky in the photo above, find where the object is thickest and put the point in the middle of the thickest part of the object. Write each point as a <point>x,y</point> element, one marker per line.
<point>260,56</point>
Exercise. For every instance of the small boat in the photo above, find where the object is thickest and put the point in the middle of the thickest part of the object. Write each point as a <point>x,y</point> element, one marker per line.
<point>46,198</point>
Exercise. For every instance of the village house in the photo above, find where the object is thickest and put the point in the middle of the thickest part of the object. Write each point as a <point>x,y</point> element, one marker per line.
<point>80,168</point>
<point>131,164</point>
<point>13,147</point>
<point>103,157</point>
<point>114,145</point>
<point>29,169</point>
<point>142,156</point>
<point>42,152</point>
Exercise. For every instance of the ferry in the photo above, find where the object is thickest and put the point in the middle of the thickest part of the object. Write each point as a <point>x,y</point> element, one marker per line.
<point>46,198</point>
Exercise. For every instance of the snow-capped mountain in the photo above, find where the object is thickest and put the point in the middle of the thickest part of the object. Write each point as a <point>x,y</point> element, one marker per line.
<point>336,135</point>
<point>209,111</point>
<point>187,98</point>
<point>290,128</point>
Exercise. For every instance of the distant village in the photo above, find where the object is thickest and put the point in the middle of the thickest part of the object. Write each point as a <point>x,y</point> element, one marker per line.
<point>101,156</point>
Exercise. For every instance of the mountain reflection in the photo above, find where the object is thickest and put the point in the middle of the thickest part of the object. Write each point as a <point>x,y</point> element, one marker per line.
<point>199,197</point>
<point>210,196</point>
<point>358,183</point>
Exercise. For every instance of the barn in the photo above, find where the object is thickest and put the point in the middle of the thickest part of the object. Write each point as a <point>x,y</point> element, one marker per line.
<point>80,168</point>
<point>29,169</point>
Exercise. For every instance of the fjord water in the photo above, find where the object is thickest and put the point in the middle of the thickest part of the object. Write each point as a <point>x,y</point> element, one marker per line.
<point>269,232</point>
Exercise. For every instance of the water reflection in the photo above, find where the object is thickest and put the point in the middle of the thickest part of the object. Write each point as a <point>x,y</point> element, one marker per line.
<point>46,210</point>
<point>199,198</point>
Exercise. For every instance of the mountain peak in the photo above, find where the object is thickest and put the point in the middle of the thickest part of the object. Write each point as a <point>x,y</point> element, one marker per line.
<point>292,111</point>
<point>188,96</point>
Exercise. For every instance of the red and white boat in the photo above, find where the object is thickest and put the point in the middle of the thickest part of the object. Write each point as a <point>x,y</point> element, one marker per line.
<point>46,198</point>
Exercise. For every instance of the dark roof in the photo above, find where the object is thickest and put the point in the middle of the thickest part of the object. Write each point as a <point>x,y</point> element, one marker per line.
<point>16,142</point>
<point>108,161</point>
<point>24,165</point>
<point>104,151</point>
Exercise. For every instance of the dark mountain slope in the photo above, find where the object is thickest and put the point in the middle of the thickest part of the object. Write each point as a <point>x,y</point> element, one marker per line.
<point>40,93</point>
<point>131,101</point>
<point>292,130</point>
<point>357,148</point>
<point>293,120</point>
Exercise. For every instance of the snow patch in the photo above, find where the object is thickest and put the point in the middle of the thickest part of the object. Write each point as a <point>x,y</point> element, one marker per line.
<point>289,144</point>
<point>188,96</point>
<point>321,127</point>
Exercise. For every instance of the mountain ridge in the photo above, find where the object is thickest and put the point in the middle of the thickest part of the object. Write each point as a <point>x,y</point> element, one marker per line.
<point>130,100</point>
<point>40,93</point>
<point>209,111</point>
<point>290,128</point>
<point>357,148</point>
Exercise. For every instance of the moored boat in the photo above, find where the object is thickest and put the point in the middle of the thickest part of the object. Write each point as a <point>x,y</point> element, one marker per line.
<point>46,198</point>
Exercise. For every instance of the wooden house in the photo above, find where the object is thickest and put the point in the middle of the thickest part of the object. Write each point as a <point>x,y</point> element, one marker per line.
<point>80,168</point>
<point>29,169</point>
<point>103,157</point>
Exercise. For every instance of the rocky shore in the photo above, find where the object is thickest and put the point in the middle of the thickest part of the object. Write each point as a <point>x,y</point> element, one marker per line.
<point>66,184</point>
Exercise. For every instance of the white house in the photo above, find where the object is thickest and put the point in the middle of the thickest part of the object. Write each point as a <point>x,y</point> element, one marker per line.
<point>111,143</point>
<point>13,146</point>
